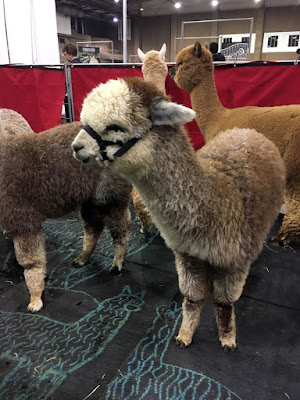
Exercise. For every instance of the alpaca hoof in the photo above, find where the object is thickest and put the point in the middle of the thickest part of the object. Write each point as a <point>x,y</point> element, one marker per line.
<point>79,262</point>
<point>289,234</point>
<point>115,267</point>
<point>229,348</point>
<point>35,305</point>
<point>181,343</point>
<point>144,230</point>
<point>274,240</point>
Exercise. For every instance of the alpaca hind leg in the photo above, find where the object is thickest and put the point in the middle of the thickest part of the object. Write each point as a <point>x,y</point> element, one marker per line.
<point>118,224</point>
<point>227,288</point>
<point>193,284</point>
<point>289,231</point>
<point>93,226</point>
<point>142,213</point>
<point>30,253</point>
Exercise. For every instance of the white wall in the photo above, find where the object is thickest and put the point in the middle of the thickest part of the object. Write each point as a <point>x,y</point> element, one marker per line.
<point>31,32</point>
<point>3,42</point>
<point>283,41</point>
<point>63,24</point>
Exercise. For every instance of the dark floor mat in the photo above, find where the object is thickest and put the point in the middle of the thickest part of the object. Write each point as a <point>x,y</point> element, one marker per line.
<point>110,336</point>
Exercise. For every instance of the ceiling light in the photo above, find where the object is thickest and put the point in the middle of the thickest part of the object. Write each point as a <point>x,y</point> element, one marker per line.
<point>116,1</point>
<point>257,1</point>
<point>141,9</point>
<point>214,3</point>
<point>177,4</point>
<point>115,19</point>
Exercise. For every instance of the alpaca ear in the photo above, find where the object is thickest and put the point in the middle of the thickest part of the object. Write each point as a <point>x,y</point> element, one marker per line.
<point>141,55</point>
<point>162,52</point>
<point>163,112</point>
<point>197,51</point>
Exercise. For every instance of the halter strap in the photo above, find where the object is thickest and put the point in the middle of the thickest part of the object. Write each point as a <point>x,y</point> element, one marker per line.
<point>124,147</point>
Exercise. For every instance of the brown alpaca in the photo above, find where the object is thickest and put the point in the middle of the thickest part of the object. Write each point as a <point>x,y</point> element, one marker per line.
<point>214,207</point>
<point>155,71</point>
<point>194,72</point>
<point>40,179</point>
<point>12,123</point>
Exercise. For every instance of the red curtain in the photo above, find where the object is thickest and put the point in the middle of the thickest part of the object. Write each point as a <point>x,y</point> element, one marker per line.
<point>36,93</point>
<point>237,86</point>
<point>264,85</point>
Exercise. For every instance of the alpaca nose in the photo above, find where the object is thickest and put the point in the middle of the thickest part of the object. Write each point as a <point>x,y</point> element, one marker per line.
<point>77,147</point>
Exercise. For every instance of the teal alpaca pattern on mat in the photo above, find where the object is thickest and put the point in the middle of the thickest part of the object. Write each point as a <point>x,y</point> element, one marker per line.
<point>43,351</point>
<point>48,351</point>
<point>148,377</point>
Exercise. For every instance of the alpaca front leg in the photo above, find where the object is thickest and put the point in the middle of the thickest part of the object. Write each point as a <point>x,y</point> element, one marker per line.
<point>193,284</point>
<point>118,225</point>
<point>190,320</point>
<point>30,253</point>
<point>225,318</point>
<point>289,231</point>
<point>227,288</point>
<point>141,211</point>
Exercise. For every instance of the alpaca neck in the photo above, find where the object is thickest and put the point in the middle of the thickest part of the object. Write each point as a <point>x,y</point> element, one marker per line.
<point>207,105</point>
<point>156,79</point>
<point>175,188</point>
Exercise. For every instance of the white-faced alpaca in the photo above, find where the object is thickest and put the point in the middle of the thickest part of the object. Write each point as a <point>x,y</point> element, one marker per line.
<point>194,72</point>
<point>155,71</point>
<point>40,179</point>
<point>214,207</point>
<point>154,67</point>
<point>13,123</point>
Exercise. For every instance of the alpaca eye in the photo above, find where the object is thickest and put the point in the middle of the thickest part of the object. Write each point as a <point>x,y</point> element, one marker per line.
<point>115,128</point>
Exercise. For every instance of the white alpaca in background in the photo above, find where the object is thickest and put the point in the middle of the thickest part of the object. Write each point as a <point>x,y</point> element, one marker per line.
<point>154,67</point>
<point>155,71</point>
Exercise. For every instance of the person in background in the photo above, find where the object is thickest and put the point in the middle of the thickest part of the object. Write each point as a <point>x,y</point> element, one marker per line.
<point>70,53</point>
<point>298,53</point>
<point>213,48</point>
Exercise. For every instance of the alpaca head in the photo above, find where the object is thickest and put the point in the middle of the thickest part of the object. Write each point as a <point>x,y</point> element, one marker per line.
<point>119,113</point>
<point>154,62</point>
<point>192,64</point>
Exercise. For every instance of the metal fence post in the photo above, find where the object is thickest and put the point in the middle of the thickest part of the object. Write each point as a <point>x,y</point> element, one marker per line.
<point>69,92</point>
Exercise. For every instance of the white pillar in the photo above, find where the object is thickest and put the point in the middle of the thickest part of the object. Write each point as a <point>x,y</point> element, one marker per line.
<point>124,31</point>
<point>28,32</point>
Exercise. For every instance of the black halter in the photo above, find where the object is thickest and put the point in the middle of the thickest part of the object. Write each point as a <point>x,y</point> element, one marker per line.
<point>124,147</point>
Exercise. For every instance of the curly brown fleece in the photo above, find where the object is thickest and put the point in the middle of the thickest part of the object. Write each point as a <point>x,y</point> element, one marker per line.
<point>194,72</point>
<point>40,179</point>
